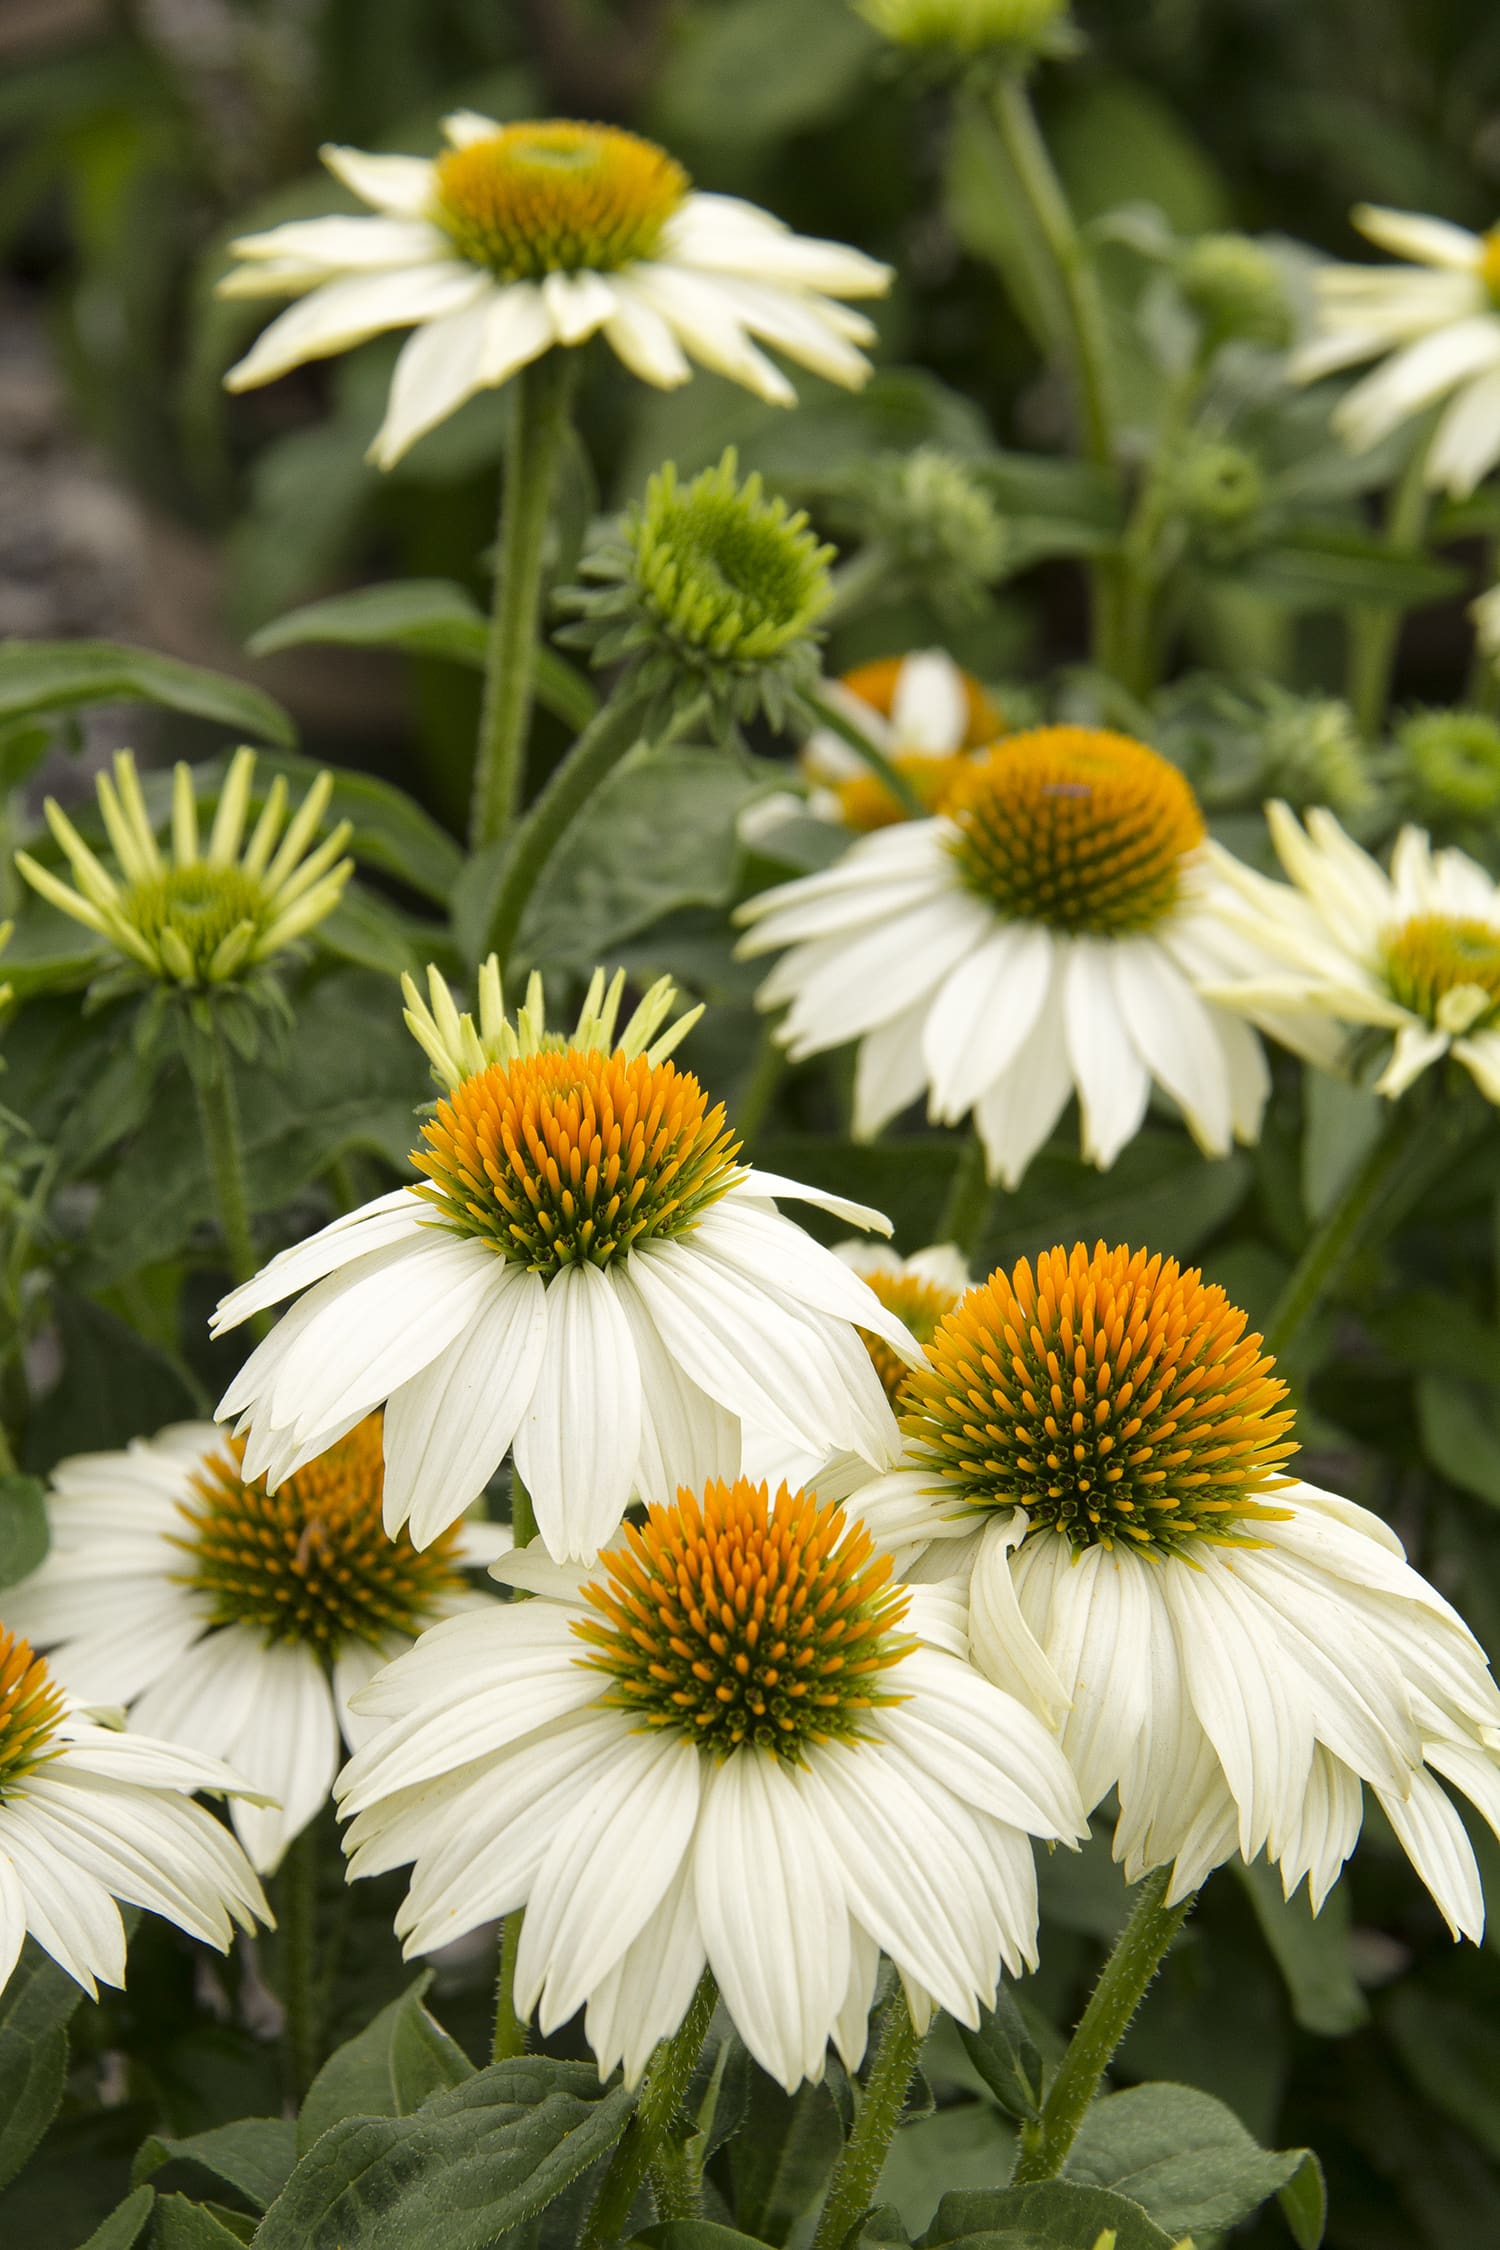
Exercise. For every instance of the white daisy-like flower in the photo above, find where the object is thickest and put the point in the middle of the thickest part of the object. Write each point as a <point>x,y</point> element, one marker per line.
<point>522,237</point>
<point>1435,322</point>
<point>587,1272</point>
<point>235,1622</point>
<point>740,1745</point>
<point>1047,932</point>
<point>1414,954</point>
<point>1097,1449</point>
<point>89,1816</point>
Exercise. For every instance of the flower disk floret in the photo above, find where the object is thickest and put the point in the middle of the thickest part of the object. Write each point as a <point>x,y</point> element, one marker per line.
<point>719,1818</point>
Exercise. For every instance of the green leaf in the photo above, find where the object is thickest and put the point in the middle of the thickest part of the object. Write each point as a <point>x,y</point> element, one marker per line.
<point>1453,2053</point>
<point>782,2156</point>
<point>1054,2215</point>
<point>387,2070</point>
<point>23,1527</point>
<point>34,2010</point>
<point>1460,1426</point>
<point>115,1385</point>
<point>1343,1123</point>
<point>69,675</point>
<point>1320,568</point>
<point>1158,1191</point>
<point>1182,2156</point>
<point>425,617</point>
<point>122,2229</point>
<point>694,2234</point>
<point>181,2225</point>
<point>1005,2055</point>
<point>881,2229</point>
<point>1311,1951</point>
<point>1304,2202</point>
<point>391,831</point>
<point>965,2145</point>
<point>254,2156</point>
<point>468,2165</point>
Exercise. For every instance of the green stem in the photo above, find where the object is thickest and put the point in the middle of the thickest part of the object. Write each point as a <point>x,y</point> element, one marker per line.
<point>1141,565</point>
<point>968,1202</point>
<point>881,2100</point>
<point>1085,342</point>
<point>1337,1234</point>
<point>1138,1954</point>
<point>856,581</point>
<point>658,2105</point>
<point>676,2185</point>
<point>596,753</point>
<point>522,1513</point>
<point>1374,633</point>
<point>7,1454</point>
<point>829,715</point>
<point>219,1117</point>
<point>297,1922</point>
<point>766,1073</point>
<point>538,428</point>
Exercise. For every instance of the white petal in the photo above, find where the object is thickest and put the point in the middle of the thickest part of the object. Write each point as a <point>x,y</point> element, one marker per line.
<point>374,1226</point>
<point>580,1437</point>
<point>1015,1115</point>
<point>1112,1081</point>
<point>343,313</point>
<point>686,1436</point>
<point>983,1014</point>
<point>289,1746</point>
<point>645,1996</point>
<point>399,184</point>
<point>1172,1032</point>
<point>930,706</point>
<point>643,341</point>
<point>1433,1838</point>
<point>449,1428</point>
<point>577,304</point>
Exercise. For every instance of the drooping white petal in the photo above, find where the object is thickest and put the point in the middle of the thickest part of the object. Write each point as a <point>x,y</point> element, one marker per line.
<point>344,312</point>
<point>1112,1080</point>
<point>580,1437</point>
<point>983,1014</point>
<point>448,1429</point>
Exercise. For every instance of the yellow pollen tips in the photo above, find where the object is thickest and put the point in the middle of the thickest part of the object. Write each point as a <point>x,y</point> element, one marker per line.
<point>555,197</point>
<point>574,1155</point>
<point>1113,1396</point>
<point>31,1704</point>
<point>312,1562</point>
<point>921,1304</point>
<point>1077,828</point>
<point>1445,968</point>
<point>746,1621</point>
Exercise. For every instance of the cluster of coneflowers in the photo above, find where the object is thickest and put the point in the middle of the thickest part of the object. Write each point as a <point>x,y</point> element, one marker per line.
<point>837,1581</point>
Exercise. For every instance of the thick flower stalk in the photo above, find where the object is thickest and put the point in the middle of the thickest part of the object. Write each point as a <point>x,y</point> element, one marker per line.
<point>90,1816</point>
<point>738,1744</point>
<point>236,1621</point>
<point>585,1272</point>
<point>1098,1450</point>
<point>520,239</point>
<point>202,912</point>
<point>1049,931</point>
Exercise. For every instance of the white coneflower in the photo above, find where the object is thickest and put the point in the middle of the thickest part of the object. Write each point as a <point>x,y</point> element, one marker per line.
<point>89,1816</point>
<point>235,1621</point>
<point>1414,954</point>
<point>1046,933</point>
<point>1098,1448</point>
<point>201,913</point>
<point>522,237</point>
<point>741,1746</point>
<point>924,711</point>
<point>1435,322</point>
<point>587,1272</point>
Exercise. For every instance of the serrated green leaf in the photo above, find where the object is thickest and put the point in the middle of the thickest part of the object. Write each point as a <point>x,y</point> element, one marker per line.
<point>69,675</point>
<point>122,2229</point>
<point>464,2168</point>
<point>1182,2156</point>
<point>35,2007</point>
<point>1311,1951</point>
<point>1054,2215</point>
<point>423,617</point>
<point>23,1527</point>
<point>254,2156</point>
<point>387,2070</point>
<point>1004,2053</point>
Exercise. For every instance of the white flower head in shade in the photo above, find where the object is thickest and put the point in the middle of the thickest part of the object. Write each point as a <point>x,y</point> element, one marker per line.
<point>1098,1448</point>
<point>1434,322</point>
<point>739,1745</point>
<point>203,912</point>
<point>522,237</point>
<point>587,1272</point>
<point>1045,933</point>
<point>236,1622</point>
<point>89,1816</point>
<point>1413,954</point>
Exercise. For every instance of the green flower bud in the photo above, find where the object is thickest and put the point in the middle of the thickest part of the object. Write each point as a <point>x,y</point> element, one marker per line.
<point>971,28</point>
<point>1236,289</point>
<point>712,588</point>
<point>1311,754</point>
<point>1451,763</point>
<point>931,520</point>
<point>1218,491</point>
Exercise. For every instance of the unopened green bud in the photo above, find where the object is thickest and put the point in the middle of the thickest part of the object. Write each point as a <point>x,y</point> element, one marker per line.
<point>1311,754</point>
<point>1451,762</point>
<point>970,28</point>
<point>1218,491</point>
<point>927,515</point>
<point>1236,289</point>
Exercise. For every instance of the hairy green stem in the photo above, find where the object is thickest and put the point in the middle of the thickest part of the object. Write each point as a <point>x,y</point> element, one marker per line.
<point>968,1202</point>
<point>219,1118</point>
<point>301,1996</point>
<point>1374,633</point>
<point>538,428</point>
<point>1338,1233</point>
<point>829,715</point>
<point>596,753</point>
<point>881,2100</point>
<point>1138,1953</point>
<point>1141,565</point>
<point>657,2108</point>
